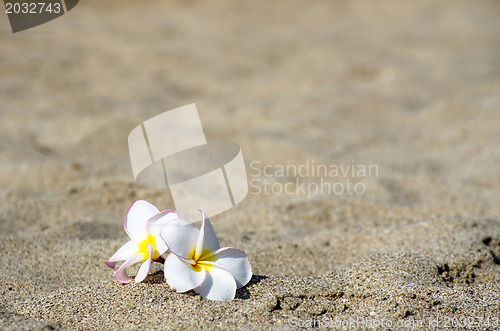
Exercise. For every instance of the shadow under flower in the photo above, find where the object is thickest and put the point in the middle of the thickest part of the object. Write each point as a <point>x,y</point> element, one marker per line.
<point>156,278</point>
<point>243,293</point>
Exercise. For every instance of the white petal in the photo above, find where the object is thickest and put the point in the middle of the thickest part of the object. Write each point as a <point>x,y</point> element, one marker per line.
<point>143,271</point>
<point>207,238</point>
<point>121,273</point>
<point>136,218</point>
<point>180,236</point>
<point>236,261</point>
<point>128,249</point>
<point>181,276</point>
<point>219,284</point>
<point>154,225</point>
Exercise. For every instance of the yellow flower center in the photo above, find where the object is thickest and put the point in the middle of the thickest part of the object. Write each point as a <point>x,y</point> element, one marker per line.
<point>199,263</point>
<point>143,248</point>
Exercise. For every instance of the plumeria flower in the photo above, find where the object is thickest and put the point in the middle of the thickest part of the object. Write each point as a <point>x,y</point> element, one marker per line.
<point>142,224</point>
<point>198,263</point>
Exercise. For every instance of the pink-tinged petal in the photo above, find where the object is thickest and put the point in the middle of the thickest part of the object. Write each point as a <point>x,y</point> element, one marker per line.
<point>180,236</point>
<point>181,276</point>
<point>128,249</point>
<point>219,284</point>
<point>236,261</point>
<point>136,218</point>
<point>121,274</point>
<point>207,238</point>
<point>155,224</point>
<point>143,271</point>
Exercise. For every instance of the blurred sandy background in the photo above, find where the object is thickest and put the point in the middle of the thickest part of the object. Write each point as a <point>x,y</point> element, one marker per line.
<point>411,87</point>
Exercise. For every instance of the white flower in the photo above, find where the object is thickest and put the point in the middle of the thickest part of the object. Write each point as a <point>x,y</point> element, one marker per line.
<point>198,263</point>
<point>142,224</point>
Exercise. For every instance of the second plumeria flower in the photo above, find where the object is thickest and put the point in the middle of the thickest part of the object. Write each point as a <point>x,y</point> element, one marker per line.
<point>142,224</point>
<point>198,263</point>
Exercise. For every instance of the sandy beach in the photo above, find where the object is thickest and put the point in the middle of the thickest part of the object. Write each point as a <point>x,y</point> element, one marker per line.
<point>411,89</point>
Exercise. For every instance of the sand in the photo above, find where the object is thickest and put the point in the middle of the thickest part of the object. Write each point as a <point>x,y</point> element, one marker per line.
<point>412,88</point>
